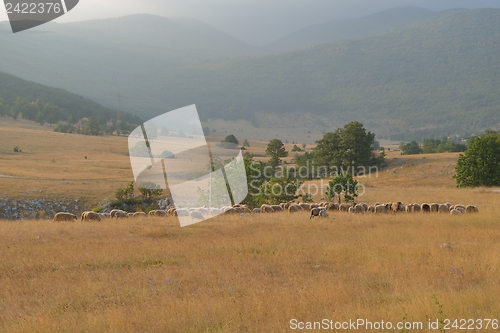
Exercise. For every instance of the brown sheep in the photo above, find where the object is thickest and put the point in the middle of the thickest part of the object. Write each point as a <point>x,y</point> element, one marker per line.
<point>409,208</point>
<point>139,214</point>
<point>63,216</point>
<point>90,216</point>
<point>316,212</point>
<point>434,207</point>
<point>381,209</point>
<point>471,209</point>
<point>113,213</point>
<point>443,208</point>
<point>120,215</point>
<point>343,207</point>
<point>277,208</point>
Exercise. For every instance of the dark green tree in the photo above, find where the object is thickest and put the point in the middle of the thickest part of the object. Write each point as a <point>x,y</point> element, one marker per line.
<point>246,143</point>
<point>149,190</point>
<point>348,146</point>
<point>92,127</point>
<point>275,150</point>
<point>480,164</point>
<point>126,192</point>
<point>277,190</point>
<point>410,148</point>
<point>342,183</point>
<point>231,139</point>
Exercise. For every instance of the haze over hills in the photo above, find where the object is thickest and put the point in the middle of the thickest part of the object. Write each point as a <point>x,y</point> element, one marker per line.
<point>335,30</point>
<point>434,76</point>
<point>69,105</point>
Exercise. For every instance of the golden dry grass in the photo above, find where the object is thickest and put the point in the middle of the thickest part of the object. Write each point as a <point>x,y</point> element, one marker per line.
<point>233,274</point>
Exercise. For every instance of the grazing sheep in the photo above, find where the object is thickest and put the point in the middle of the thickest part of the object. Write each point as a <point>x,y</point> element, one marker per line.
<point>459,206</point>
<point>113,213</point>
<point>344,207</point>
<point>215,211</point>
<point>277,208</point>
<point>196,215</point>
<point>461,209</point>
<point>139,214</point>
<point>293,208</point>
<point>351,210</point>
<point>182,212</point>
<point>256,211</point>
<point>434,207</point>
<point>455,212</point>
<point>471,209</point>
<point>409,208</point>
<point>266,209</point>
<point>333,206</point>
<point>395,206</point>
<point>371,209</point>
<point>323,213</point>
<point>316,212</point>
<point>443,208</point>
<point>232,211</point>
<point>120,215</point>
<point>239,210</point>
<point>426,208</point>
<point>129,215</point>
<point>381,209</point>
<point>63,216</point>
<point>90,216</point>
<point>314,205</point>
<point>359,208</point>
<point>416,208</point>
<point>82,215</point>
<point>204,211</point>
<point>305,206</point>
<point>105,215</point>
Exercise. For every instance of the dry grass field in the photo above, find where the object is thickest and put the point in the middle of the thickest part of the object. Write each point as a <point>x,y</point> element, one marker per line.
<point>233,274</point>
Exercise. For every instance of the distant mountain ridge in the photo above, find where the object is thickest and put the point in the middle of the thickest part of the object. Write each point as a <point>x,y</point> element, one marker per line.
<point>432,76</point>
<point>357,28</point>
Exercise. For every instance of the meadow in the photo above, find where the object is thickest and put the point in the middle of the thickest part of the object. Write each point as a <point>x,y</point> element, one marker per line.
<point>234,274</point>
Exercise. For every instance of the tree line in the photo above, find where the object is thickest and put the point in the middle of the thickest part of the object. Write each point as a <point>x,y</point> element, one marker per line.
<point>66,120</point>
<point>430,146</point>
<point>342,154</point>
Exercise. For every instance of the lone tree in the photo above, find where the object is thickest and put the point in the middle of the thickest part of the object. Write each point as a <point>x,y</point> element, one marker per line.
<point>276,150</point>
<point>342,183</point>
<point>480,164</point>
<point>348,146</point>
<point>231,139</point>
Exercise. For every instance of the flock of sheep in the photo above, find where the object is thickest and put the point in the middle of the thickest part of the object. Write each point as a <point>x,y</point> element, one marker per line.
<point>314,209</point>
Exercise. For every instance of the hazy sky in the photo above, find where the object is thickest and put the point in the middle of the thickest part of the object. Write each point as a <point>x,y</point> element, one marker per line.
<point>255,21</point>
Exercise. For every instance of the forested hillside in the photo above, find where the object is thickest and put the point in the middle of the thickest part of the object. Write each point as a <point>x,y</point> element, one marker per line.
<point>433,77</point>
<point>50,105</point>
<point>367,26</point>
